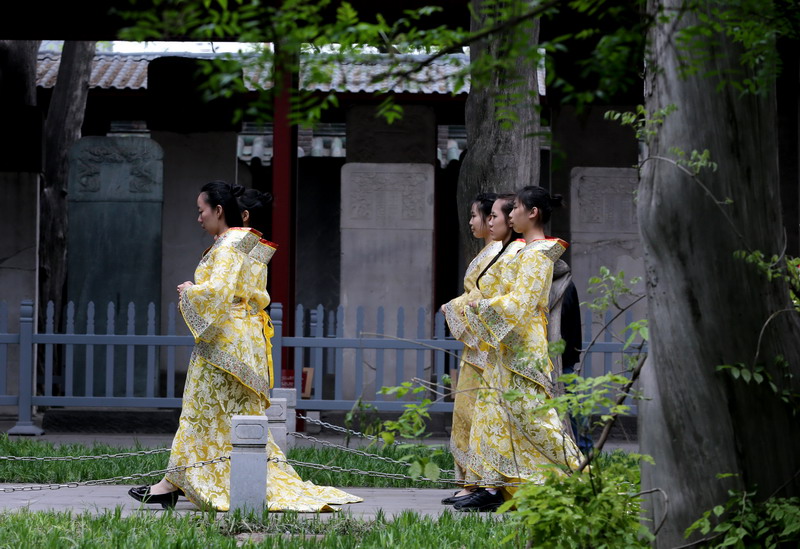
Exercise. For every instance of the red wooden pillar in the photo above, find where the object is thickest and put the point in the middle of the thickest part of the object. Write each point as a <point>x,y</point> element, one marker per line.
<point>284,171</point>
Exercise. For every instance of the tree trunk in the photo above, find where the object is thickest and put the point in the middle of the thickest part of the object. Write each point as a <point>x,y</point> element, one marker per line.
<point>499,159</point>
<point>18,72</point>
<point>707,308</point>
<point>62,130</point>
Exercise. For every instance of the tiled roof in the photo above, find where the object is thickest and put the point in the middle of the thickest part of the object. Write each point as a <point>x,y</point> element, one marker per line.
<point>129,71</point>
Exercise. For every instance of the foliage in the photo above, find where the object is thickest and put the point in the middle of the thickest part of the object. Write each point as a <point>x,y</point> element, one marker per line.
<point>781,268</point>
<point>743,522</point>
<point>362,417</point>
<point>314,38</point>
<point>612,288</point>
<point>411,424</point>
<point>599,508</point>
<point>776,373</point>
<point>589,397</point>
<point>643,123</point>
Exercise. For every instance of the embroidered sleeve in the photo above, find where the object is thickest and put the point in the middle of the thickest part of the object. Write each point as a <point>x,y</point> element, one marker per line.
<point>454,309</point>
<point>504,318</point>
<point>207,303</point>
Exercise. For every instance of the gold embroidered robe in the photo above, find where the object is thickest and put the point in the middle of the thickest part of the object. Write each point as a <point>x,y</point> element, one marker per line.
<point>474,355</point>
<point>230,372</point>
<point>507,442</point>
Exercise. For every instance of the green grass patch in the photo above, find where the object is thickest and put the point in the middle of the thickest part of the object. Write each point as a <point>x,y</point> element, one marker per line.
<point>58,472</point>
<point>280,530</point>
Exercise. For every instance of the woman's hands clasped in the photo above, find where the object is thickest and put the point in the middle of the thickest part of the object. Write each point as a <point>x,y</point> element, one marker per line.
<point>183,286</point>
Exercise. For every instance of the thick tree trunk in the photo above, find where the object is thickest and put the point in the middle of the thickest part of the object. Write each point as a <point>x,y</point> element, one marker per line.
<point>707,308</point>
<point>499,159</point>
<point>62,130</point>
<point>18,72</point>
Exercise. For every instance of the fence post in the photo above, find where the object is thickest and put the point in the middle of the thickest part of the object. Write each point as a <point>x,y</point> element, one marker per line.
<point>276,415</point>
<point>276,315</point>
<point>24,425</point>
<point>249,437</point>
<point>289,395</point>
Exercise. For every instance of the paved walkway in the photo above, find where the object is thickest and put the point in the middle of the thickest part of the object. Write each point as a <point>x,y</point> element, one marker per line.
<point>97,499</point>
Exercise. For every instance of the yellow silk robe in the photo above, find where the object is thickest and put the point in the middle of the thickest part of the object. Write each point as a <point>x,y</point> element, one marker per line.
<point>230,372</point>
<point>507,442</point>
<point>470,370</point>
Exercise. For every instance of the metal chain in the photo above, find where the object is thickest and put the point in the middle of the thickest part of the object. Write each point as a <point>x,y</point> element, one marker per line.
<point>113,480</point>
<point>84,458</point>
<point>358,452</point>
<point>335,427</point>
<point>396,476</point>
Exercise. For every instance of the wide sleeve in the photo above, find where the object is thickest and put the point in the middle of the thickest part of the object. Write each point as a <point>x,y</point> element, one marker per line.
<point>505,318</point>
<point>208,302</point>
<point>454,309</point>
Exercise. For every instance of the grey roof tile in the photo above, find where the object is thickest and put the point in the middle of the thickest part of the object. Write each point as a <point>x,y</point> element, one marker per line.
<point>129,71</point>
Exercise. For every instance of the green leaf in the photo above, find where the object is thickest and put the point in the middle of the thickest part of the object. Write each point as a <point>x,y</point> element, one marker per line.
<point>432,471</point>
<point>746,375</point>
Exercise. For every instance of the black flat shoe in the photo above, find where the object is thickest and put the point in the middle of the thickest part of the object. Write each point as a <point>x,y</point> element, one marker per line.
<point>142,493</point>
<point>452,500</point>
<point>480,500</point>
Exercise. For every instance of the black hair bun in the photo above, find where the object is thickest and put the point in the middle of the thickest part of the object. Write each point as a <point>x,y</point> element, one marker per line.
<point>556,201</point>
<point>236,189</point>
<point>265,197</point>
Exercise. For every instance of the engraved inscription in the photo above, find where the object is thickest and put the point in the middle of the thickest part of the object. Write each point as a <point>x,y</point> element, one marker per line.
<point>110,168</point>
<point>605,203</point>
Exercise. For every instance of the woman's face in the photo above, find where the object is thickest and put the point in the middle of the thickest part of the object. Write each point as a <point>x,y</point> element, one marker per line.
<point>476,223</point>
<point>211,219</point>
<point>519,218</point>
<point>498,224</point>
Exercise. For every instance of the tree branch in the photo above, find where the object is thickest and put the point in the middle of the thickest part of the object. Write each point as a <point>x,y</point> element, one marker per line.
<point>607,429</point>
<point>458,46</point>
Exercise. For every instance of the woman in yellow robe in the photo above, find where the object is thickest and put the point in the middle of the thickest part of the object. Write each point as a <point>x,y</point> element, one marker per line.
<point>230,370</point>
<point>508,442</point>
<point>505,243</point>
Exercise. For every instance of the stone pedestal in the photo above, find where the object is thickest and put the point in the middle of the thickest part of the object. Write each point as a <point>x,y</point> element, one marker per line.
<point>605,231</point>
<point>248,482</point>
<point>114,206</point>
<point>410,139</point>
<point>387,256</point>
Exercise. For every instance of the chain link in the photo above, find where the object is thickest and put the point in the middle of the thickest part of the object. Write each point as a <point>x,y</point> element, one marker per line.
<point>359,452</point>
<point>84,458</point>
<point>336,427</point>
<point>396,476</point>
<point>113,480</point>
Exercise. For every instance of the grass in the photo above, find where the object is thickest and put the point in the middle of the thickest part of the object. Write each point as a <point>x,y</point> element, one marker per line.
<point>57,472</point>
<point>285,530</point>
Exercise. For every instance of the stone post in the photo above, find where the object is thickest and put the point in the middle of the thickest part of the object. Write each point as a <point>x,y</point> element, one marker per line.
<point>290,396</point>
<point>249,437</point>
<point>276,416</point>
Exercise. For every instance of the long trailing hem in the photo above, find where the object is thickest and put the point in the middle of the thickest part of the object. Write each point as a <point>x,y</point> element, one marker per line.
<point>508,442</point>
<point>211,397</point>
<point>470,380</point>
